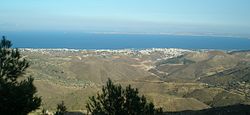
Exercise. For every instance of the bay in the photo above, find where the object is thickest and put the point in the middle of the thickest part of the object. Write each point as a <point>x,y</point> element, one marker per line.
<point>123,41</point>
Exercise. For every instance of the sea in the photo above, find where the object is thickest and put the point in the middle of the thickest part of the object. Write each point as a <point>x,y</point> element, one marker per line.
<point>123,41</point>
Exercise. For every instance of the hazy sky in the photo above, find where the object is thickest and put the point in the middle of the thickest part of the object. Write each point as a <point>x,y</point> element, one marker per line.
<point>147,16</point>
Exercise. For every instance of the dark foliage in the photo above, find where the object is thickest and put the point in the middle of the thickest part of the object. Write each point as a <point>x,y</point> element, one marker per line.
<point>228,110</point>
<point>16,97</point>
<point>61,109</point>
<point>115,100</point>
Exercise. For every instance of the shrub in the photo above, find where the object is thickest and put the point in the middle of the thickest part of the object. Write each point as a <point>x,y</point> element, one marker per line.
<point>115,100</point>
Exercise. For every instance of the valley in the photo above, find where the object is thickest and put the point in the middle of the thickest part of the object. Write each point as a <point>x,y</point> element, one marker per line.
<point>174,79</point>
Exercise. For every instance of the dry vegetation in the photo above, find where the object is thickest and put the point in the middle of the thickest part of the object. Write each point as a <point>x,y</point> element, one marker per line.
<point>194,81</point>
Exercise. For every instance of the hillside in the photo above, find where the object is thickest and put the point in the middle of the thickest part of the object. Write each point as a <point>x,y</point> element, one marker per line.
<point>176,80</point>
<point>237,74</point>
<point>193,66</point>
<point>216,97</point>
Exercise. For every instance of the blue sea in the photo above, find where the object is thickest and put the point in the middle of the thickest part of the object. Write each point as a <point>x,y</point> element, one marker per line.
<point>123,41</point>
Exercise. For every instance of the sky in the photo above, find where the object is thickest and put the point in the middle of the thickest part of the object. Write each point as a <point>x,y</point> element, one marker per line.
<point>222,17</point>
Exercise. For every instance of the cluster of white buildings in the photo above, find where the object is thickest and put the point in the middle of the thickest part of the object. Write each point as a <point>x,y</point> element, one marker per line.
<point>48,49</point>
<point>166,52</point>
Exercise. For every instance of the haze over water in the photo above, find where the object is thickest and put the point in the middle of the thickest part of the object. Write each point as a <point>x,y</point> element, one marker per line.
<point>64,23</point>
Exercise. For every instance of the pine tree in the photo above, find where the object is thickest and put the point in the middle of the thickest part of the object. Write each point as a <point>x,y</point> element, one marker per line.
<point>115,100</point>
<point>61,109</point>
<point>17,97</point>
